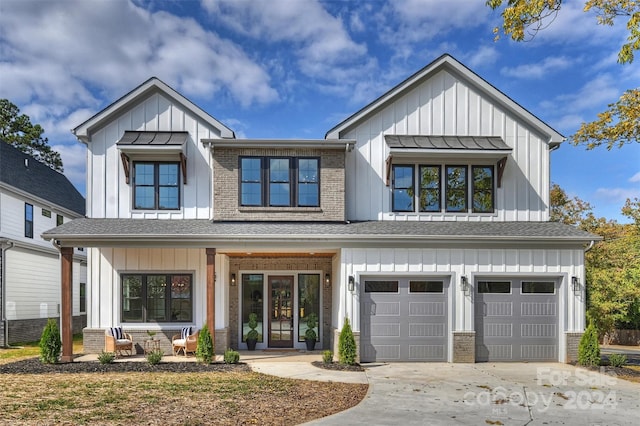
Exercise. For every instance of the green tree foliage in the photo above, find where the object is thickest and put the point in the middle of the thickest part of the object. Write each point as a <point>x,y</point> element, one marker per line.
<point>50,343</point>
<point>16,129</point>
<point>620,123</point>
<point>612,265</point>
<point>347,345</point>
<point>205,350</point>
<point>589,349</point>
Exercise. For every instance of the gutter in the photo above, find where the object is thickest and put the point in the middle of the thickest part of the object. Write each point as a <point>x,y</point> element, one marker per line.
<point>6,246</point>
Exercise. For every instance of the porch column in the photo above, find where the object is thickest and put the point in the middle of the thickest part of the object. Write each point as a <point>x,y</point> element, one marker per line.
<point>211,292</point>
<point>66,303</point>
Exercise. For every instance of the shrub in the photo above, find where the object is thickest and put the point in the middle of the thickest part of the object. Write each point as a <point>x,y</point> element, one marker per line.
<point>231,356</point>
<point>589,349</point>
<point>205,350</point>
<point>50,344</point>
<point>312,323</point>
<point>347,345</point>
<point>327,357</point>
<point>154,357</point>
<point>253,323</point>
<point>617,360</point>
<point>106,357</point>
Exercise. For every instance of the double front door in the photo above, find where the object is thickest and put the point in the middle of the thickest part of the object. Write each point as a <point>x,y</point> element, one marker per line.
<point>280,308</point>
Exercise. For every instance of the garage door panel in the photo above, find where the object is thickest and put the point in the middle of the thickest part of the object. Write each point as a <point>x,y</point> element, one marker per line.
<point>409,324</point>
<point>516,321</point>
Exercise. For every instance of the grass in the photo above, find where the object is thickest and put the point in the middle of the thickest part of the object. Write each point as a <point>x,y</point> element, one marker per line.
<point>31,349</point>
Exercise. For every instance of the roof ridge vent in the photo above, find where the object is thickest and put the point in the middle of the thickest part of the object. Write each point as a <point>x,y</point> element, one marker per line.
<point>26,163</point>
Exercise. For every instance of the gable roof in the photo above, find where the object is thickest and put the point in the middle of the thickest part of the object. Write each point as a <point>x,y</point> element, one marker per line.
<point>23,172</point>
<point>153,85</point>
<point>456,68</point>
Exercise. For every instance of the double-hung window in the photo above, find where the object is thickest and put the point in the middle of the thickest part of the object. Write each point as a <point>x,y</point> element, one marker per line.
<point>456,198</point>
<point>430,188</point>
<point>403,191</point>
<point>28,220</point>
<point>482,189</point>
<point>156,186</point>
<point>279,182</point>
<point>157,297</point>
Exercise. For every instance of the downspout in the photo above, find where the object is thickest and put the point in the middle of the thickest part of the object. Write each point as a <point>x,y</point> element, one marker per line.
<point>5,322</point>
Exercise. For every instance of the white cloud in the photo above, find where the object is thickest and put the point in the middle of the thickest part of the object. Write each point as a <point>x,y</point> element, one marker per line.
<point>74,160</point>
<point>538,70</point>
<point>485,55</point>
<point>635,178</point>
<point>617,195</point>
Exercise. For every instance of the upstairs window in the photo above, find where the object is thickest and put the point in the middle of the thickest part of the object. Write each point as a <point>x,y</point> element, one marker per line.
<point>279,182</point>
<point>156,186</point>
<point>59,219</point>
<point>28,220</point>
<point>454,189</point>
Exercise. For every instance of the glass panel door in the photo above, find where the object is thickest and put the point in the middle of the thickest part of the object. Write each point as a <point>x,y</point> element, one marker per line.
<point>281,311</point>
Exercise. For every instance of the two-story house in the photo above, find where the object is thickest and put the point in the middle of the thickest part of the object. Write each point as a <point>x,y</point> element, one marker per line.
<point>423,218</point>
<point>34,198</point>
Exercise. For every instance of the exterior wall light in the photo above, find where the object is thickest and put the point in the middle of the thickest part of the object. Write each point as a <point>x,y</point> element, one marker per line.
<point>464,284</point>
<point>327,280</point>
<point>575,284</point>
<point>233,279</point>
<point>352,283</point>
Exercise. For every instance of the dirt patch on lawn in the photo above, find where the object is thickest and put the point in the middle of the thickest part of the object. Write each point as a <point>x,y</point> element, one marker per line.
<point>168,394</point>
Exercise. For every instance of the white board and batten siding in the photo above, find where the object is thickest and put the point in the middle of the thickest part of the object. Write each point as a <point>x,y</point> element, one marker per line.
<point>451,264</point>
<point>108,194</point>
<point>447,105</point>
<point>107,265</point>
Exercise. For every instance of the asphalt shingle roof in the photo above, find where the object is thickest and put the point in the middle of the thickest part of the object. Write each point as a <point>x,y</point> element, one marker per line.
<point>38,179</point>
<point>150,229</point>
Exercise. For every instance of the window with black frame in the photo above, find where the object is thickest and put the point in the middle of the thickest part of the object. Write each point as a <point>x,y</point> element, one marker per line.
<point>252,303</point>
<point>156,186</point>
<point>157,297</point>
<point>403,188</point>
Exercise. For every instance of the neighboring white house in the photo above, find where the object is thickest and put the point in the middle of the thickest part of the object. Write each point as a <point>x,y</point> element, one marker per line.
<point>423,218</point>
<point>34,198</point>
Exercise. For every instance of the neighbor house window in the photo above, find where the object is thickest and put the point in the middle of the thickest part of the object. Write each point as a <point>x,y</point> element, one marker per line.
<point>46,213</point>
<point>156,186</point>
<point>28,220</point>
<point>482,189</point>
<point>403,191</point>
<point>157,298</point>
<point>83,297</point>
<point>59,219</point>
<point>429,188</point>
<point>279,182</point>
<point>456,197</point>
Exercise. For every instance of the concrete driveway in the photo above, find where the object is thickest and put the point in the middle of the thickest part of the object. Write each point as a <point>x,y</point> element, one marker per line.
<point>490,393</point>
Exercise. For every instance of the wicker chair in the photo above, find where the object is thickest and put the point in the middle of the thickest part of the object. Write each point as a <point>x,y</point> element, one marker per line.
<point>117,341</point>
<point>185,342</point>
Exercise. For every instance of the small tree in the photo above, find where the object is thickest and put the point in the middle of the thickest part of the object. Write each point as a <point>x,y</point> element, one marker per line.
<point>205,350</point>
<point>589,349</point>
<point>50,344</point>
<point>347,345</point>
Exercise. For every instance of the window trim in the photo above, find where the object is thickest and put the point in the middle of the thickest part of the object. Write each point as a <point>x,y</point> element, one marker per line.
<point>28,223</point>
<point>167,300</point>
<point>156,185</point>
<point>265,181</point>
<point>410,188</point>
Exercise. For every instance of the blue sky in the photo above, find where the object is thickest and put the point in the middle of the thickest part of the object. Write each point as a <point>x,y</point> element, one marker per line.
<point>296,68</point>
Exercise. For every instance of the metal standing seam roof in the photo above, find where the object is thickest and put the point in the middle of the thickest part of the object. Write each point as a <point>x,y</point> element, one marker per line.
<point>163,230</point>
<point>483,143</point>
<point>27,174</point>
<point>153,138</point>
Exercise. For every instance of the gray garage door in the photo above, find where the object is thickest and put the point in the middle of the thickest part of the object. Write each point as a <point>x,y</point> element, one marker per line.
<point>403,320</point>
<point>516,320</point>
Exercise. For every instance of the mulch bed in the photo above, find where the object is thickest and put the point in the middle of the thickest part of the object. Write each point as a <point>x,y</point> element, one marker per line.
<point>337,366</point>
<point>34,366</point>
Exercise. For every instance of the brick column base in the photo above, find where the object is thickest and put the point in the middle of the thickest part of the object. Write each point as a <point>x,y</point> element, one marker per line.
<point>464,346</point>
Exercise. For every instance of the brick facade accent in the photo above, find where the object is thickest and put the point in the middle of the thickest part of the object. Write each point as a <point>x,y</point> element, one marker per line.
<point>266,264</point>
<point>30,330</point>
<point>573,341</point>
<point>464,346</point>
<point>226,192</point>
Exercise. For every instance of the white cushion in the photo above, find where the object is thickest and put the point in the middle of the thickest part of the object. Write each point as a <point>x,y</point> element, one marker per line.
<point>123,341</point>
<point>180,342</point>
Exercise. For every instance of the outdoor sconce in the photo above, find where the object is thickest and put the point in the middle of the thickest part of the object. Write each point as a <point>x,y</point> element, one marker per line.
<point>464,284</point>
<point>327,280</point>
<point>575,284</point>
<point>352,283</point>
<point>233,279</point>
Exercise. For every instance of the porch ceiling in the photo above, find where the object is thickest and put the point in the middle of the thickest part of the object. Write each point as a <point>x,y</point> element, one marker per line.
<point>306,236</point>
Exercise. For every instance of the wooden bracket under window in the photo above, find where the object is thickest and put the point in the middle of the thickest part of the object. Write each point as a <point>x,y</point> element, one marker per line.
<point>183,166</point>
<point>501,165</point>
<point>388,170</point>
<point>126,166</point>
